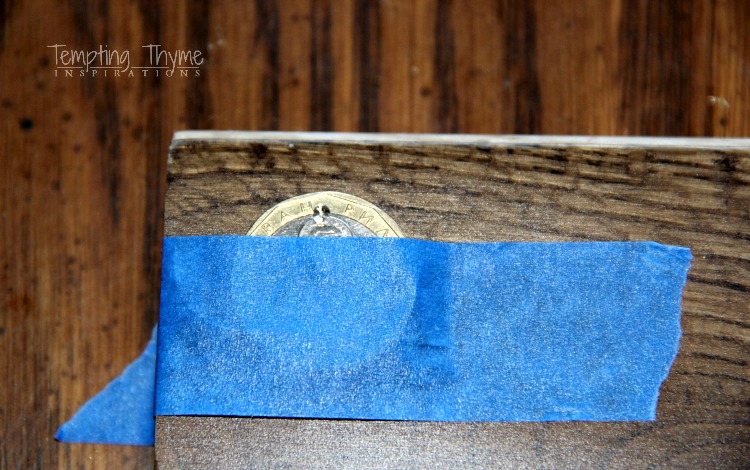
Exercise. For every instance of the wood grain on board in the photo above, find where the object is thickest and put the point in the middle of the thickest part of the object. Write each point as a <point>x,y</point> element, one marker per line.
<point>83,165</point>
<point>494,191</point>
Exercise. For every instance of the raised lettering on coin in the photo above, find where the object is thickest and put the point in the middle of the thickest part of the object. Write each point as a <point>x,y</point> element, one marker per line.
<point>365,218</point>
<point>305,208</point>
<point>325,214</point>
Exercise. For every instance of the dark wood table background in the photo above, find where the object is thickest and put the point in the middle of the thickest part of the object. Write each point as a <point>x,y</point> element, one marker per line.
<point>83,163</point>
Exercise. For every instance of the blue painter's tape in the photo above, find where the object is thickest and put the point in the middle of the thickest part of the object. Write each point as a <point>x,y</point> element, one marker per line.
<point>403,329</point>
<point>122,413</point>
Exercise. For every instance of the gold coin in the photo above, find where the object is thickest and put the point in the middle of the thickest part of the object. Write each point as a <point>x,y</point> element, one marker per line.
<point>325,214</point>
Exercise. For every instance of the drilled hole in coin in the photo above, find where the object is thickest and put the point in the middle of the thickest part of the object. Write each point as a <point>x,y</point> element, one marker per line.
<point>321,209</point>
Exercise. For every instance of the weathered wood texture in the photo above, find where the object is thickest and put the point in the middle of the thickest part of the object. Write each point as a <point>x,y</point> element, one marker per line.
<point>83,164</point>
<point>480,192</point>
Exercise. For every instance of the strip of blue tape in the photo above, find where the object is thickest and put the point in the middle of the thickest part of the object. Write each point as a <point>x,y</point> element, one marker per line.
<point>403,329</point>
<point>122,413</point>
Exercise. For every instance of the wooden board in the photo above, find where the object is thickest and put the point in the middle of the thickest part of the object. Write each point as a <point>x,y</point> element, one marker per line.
<point>694,193</point>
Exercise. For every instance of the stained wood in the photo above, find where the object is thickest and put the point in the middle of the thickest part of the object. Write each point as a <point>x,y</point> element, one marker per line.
<point>679,192</point>
<point>83,159</point>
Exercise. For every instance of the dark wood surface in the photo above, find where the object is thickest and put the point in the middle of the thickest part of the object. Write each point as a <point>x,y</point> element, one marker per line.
<point>497,191</point>
<point>83,162</point>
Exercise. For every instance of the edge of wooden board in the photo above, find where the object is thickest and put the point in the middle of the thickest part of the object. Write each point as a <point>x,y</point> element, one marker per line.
<point>499,140</point>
